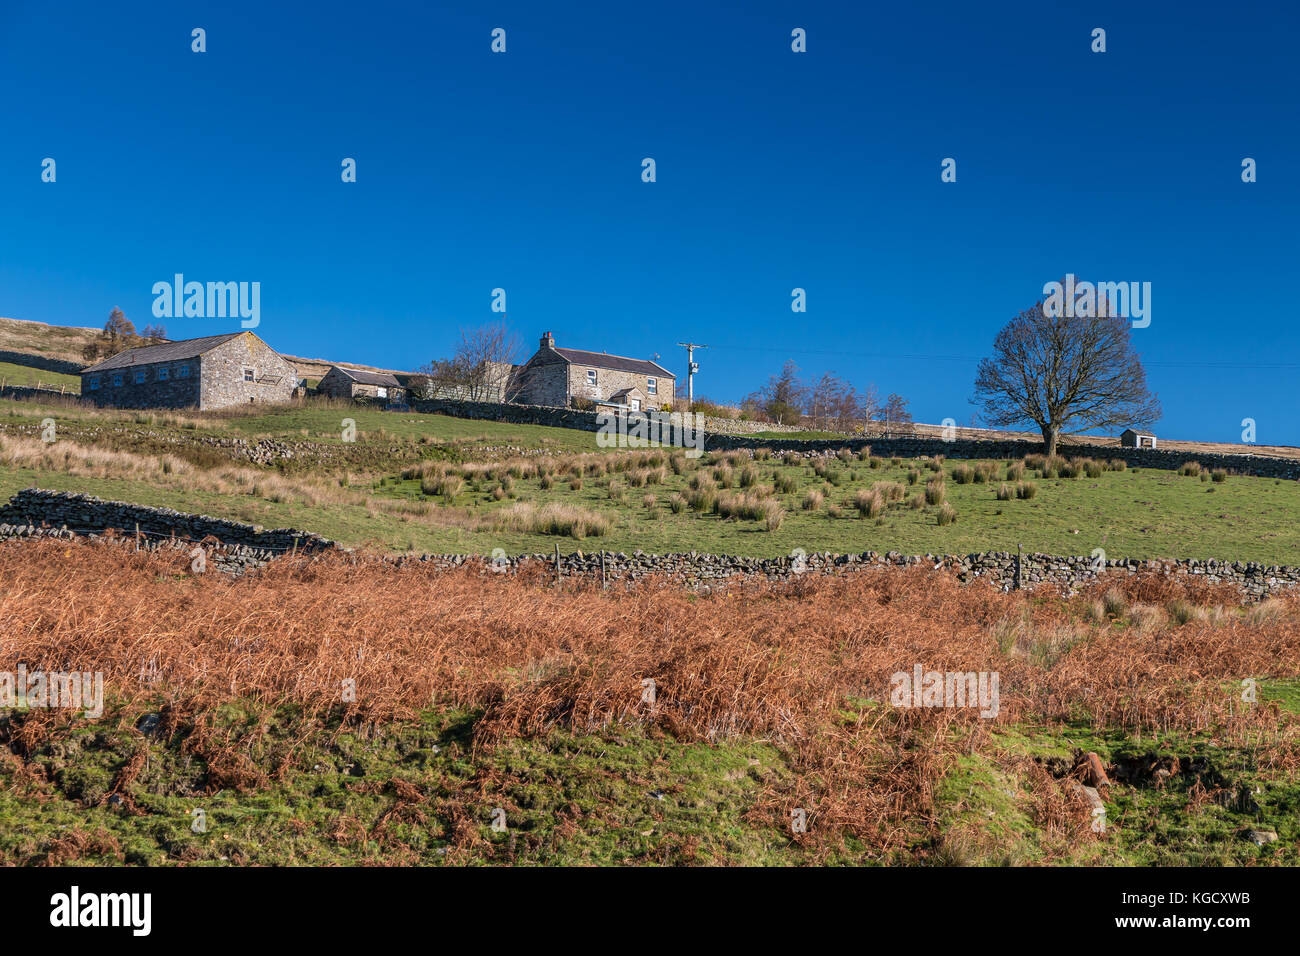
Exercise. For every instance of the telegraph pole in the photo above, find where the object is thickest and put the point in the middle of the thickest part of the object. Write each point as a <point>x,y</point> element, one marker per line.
<point>691,368</point>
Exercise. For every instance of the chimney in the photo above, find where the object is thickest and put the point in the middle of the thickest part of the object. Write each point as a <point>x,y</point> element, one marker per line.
<point>548,340</point>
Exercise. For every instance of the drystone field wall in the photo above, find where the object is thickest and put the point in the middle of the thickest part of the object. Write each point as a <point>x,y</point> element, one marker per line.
<point>34,508</point>
<point>1261,465</point>
<point>38,513</point>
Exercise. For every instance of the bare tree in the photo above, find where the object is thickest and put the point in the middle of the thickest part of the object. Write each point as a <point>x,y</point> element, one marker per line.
<point>782,398</point>
<point>895,413</point>
<point>480,369</point>
<point>1064,374</point>
<point>834,403</point>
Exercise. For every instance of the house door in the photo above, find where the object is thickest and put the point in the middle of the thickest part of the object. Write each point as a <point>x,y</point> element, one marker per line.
<point>636,404</point>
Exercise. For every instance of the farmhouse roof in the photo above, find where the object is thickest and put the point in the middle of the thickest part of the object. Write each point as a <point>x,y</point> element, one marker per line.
<point>370,378</point>
<point>1140,431</point>
<point>616,363</point>
<point>166,352</point>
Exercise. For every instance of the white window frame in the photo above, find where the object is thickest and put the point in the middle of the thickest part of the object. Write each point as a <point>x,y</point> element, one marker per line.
<point>652,386</point>
<point>635,403</point>
<point>591,378</point>
<point>381,391</point>
<point>250,374</point>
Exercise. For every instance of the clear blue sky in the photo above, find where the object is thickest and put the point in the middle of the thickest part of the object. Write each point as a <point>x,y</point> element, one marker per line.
<point>775,170</point>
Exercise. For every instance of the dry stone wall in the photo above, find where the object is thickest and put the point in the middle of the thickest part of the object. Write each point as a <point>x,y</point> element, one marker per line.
<point>37,513</point>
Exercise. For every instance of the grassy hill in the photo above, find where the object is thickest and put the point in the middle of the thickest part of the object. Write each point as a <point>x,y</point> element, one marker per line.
<point>437,483</point>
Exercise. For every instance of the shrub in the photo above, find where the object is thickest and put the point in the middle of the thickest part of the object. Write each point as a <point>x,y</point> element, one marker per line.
<point>874,462</point>
<point>844,455</point>
<point>916,502</point>
<point>773,515</point>
<point>1190,468</point>
<point>702,500</point>
<point>1116,464</point>
<point>913,476</point>
<point>787,484</point>
<point>1219,475</point>
<point>864,453</point>
<point>892,490</point>
<point>677,503</point>
<point>813,500</point>
<point>553,518</point>
<point>1026,490</point>
<point>935,490</point>
<point>1015,470</point>
<point>748,476</point>
<point>870,504</point>
<point>833,511</point>
<point>546,483</point>
<point>1093,468</point>
<point>947,514</point>
<point>649,501</point>
<point>1005,492</point>
<point>575,484</point>
<point>963,474</point>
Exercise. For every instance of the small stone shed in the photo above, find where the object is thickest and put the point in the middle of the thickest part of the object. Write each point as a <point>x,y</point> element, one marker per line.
<point>1137,438</point>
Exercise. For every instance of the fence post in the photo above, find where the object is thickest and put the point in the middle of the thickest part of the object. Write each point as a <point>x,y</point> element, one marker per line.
<point>1020,556</point>
<point>137,536</point>
<point>557,564</point>
<point>603,584</point>
<point>295,548</point>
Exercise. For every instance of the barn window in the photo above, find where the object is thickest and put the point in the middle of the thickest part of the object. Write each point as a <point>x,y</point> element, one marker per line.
<point>92,383</point>
<point>162,374</point>
<point>591,376</point>
<point>651,386</point>
<point>182,371</point>
<point>139,376</point>
<point>250,375</point>
<point>117,380</point>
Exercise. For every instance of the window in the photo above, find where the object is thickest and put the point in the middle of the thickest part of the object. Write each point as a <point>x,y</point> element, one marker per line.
<point>139,376</point>
<point>92,383</point>
<point>381,392</point>
<point>636,404</point>
<point>250,375</point>
<point>591,377</point>
<point>117,380</point>
<point>162,374</point>
<point>182,371</point>
<point>651,386</point>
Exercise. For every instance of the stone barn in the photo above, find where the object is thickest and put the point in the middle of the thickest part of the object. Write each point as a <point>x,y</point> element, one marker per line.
<point>559,376</point>
<point>343,382</point>
<point>1133,438</point>
<point>215,371</point>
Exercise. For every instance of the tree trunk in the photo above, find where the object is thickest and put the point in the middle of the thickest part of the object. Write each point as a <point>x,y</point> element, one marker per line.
<point>1051,433</point>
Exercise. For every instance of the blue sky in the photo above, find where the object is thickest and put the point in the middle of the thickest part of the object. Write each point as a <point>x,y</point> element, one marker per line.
<point>775,170</point>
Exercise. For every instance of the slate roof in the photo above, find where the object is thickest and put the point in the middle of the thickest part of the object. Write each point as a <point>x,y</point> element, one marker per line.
<point>370,378</point>
<point>615,363</point>
<point>166,352</point>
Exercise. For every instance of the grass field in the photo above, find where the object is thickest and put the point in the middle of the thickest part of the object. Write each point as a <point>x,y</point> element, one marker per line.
<point>29,377</point>
<point>386,488</point>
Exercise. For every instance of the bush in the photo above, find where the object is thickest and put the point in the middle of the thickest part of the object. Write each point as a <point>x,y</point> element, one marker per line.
<point>787,484</point>
<point>913,476</point>
<point>916,502</point>
<point>870,504</point>
<point>891,490</point>
<point>1005,492</point>
<point>1026,490</point>
<point>553,518</point>
<point>963,474</point>
<point>1190,468</point>
<point>575,484</point>
<point>813,500</point>
<point>947,514</point>
<point>773,515</point>
<point>1015,470</point>
<point>702,500</point>
<point>1093,468</point>
<point>935,490</point>
<point>677,504</point>
<point>1219,475</point>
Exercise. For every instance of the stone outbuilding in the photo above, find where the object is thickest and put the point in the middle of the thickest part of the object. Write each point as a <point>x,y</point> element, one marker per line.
<point>1134,438</point>
<point>215,371</point>
<point>561,377</point>
<point>342,382</point>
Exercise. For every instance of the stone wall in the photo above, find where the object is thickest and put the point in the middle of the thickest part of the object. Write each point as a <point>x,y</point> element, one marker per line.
<point>1288,468</point>
<point>34,507</point>
<point>119,387</point>
<point>247,546</point>
<point>222,372</point>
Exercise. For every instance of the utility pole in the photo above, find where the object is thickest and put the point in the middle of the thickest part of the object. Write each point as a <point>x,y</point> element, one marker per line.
<point>691,368</point>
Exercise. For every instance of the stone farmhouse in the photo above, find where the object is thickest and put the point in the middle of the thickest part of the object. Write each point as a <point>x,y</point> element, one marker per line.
<point>564,377</point>
<point>215,371</point>
<point>343,382</point>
